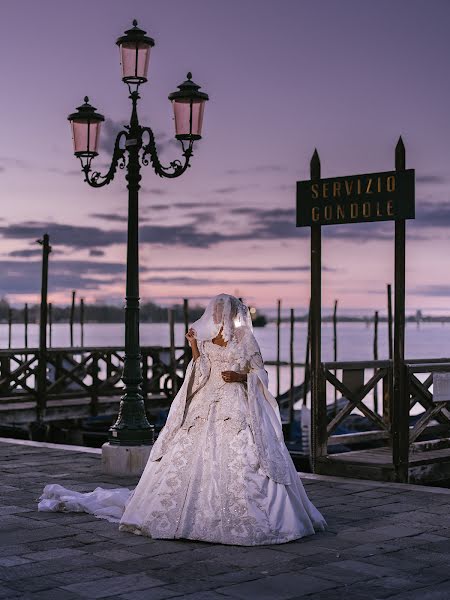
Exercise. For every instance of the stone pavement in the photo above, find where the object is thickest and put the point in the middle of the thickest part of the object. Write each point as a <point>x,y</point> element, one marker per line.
<point>384,541</point>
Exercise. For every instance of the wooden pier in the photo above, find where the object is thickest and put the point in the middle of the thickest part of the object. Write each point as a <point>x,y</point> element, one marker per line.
<point>420,456</point>
<point>81,382</point>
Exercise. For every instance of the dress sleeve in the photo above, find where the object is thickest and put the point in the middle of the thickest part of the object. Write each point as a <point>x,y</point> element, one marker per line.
<point>256,366</point>
<point>265,422</point>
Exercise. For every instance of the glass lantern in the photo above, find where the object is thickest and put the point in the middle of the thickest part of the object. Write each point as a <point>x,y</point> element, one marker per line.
<point>86,124</point>
<point>134,49</point>
<point>188,108</point>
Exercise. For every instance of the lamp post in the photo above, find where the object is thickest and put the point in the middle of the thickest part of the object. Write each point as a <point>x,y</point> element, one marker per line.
<point>134,147</point>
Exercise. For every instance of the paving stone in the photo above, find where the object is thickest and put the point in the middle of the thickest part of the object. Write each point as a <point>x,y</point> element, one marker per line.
<point>382,542</point>
<point>33,584</point>
<point>86,574</point>
<point>117,555</point>
<point>54,554</point>
<point>7,592</point>
<point>279,587</point>
<point>104,588</point>
<point>363,568</point>
<point>155,594</point>
<point>436,592</point>
<point>54,594</point>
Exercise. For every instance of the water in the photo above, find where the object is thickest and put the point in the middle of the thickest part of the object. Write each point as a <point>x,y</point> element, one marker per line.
<point>355,341</point>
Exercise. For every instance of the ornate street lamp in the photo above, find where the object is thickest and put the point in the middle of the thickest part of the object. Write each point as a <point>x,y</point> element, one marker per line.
<point>135,146</point>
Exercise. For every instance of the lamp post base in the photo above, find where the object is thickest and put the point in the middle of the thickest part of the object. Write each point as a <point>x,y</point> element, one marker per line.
<point>124,460</point>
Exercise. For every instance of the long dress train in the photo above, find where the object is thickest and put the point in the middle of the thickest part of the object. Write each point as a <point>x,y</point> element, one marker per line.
<point>219,471</point>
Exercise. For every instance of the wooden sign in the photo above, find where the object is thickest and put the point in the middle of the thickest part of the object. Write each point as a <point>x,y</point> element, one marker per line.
<point>356,199</point>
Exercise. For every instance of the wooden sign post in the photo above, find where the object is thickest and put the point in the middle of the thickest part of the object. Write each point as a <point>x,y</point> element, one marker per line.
<point>369,197</point>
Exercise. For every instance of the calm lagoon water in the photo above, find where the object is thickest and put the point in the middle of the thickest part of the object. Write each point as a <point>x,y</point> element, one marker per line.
<point>355,341</point>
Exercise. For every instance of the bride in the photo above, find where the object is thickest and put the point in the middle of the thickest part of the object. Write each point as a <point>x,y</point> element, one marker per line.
<point>219,470</point>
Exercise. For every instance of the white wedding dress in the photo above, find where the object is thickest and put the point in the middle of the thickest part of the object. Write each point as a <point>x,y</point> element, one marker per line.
<point>219,470</point>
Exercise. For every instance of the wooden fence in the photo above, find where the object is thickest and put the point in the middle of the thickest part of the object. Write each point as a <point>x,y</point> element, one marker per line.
<point>406,444</point>
<point>81,382</point>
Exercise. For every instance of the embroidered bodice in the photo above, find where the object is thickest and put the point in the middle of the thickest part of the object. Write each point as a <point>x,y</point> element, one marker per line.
<point>227,400</point>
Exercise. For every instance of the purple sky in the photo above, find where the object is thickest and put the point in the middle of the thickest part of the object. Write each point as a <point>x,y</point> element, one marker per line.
<point>284,77</point>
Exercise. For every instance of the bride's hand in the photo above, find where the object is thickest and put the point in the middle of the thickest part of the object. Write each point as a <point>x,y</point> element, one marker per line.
<point>190,336</point>
<point>233,377</point>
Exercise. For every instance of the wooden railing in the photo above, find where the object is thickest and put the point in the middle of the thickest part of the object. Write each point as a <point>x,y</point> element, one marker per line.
<point>395,424</point>
<point>81,377</point>
<point>357,384</point>
<point>434,414</point>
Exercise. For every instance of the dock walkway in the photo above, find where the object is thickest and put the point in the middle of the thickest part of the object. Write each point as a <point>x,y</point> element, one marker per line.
<point>384,541</point>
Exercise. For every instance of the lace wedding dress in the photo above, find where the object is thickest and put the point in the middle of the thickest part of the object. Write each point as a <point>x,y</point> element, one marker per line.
<point>219,471</point>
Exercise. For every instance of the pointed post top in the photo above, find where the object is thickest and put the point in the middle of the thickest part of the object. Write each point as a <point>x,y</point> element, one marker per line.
<point>400,155</point>
<point>315,165</point>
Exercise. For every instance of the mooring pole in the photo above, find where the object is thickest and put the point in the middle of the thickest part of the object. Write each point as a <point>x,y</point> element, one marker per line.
<point>335,349</point>
<point>82,322</point>
<point>307,374</point>
<point>187,354</point>
<point>72,315</point>
<point>400,404</point>
<point>278,345</point>
<point>375,357</point>
<point>9,327</point>
<point>173,364</point>
<point>291,372</point>
<point>390,319</point>
<point>42,367</point>
<point>25,324</point>
<point>50,324</point>
<point>318,443</point>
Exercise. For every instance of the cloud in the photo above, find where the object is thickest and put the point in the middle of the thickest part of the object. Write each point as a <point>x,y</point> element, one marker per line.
<point>432,215</point>
<point>189,205</point>
<point>73,236</point>
<point>108,134</point>
<point>188,281</point>
<point>95,252</point>
<point>234,268</point>
<point>436,179</point>
<point>15,163</point>
<point>208,228</point>
<point>257,169</point>
<point>159,207</point>
<point>155,191</point>
<point>24,276</point>
<point>109,217</point>
<point>227,190</point>
<point>26,253</point>
<point>438,289</point>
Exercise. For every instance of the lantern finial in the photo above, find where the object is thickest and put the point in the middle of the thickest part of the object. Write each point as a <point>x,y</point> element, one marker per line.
<point>134,23</point>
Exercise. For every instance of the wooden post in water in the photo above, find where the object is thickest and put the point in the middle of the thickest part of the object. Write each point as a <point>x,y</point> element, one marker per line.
<point>291,371</point>
<point>72,315</point>
<point>400,405</point>
<point>25,324</point>
<point>82,322</point>
<point>173,369</point>
<point>186,329</point>
<point>335,349</point>
<point>390,320</point>
<point>318,400</point>
<point>375,357</point>
<point>50,324</point>
<point>278,345</point>
<point>42,367</point>
<point>307,356</point>
<point>9,327</point>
